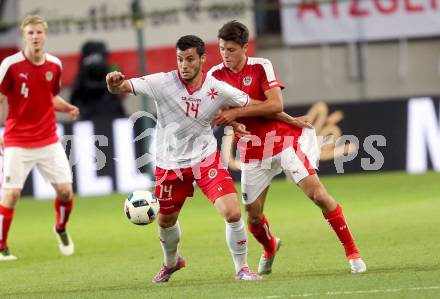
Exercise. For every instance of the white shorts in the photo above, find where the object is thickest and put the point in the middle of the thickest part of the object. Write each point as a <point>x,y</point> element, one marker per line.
<point>51,161</point>
<point>257,175</point>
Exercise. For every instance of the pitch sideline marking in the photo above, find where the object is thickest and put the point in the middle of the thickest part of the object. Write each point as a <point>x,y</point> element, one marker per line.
<point>347,293</point>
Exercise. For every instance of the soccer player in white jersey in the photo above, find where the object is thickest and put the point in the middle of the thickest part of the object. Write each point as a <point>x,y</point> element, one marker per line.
<point>30,80</point>
<point>186,150</point>
<point>289,148</point>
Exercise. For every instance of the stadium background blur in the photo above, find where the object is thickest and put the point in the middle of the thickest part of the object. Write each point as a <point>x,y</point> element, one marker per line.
<point>368,73</point>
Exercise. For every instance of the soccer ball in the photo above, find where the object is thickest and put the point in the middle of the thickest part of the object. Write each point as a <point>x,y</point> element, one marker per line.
<point>141,207</point>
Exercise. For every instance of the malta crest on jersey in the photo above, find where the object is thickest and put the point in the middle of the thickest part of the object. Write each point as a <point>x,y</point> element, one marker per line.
<point>212,173</point>
<point>49,76</point>
<point>247,80</point>
<point>212,93</point>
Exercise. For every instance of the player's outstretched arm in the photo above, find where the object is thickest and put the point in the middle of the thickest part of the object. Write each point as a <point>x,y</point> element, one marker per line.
<point>272,105</point>
<point>300,121</point>
<point>239,128</point>
<point>116,83</point>
<point>60,105</point>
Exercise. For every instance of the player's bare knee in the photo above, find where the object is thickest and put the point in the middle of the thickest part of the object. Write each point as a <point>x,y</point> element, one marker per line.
<point>64,194</point>
<point>232,215</point>
<point>165,221</point>
<point>253,219</point>
<point>320,197</point>
<point>10,197</point>
<point>15,194</point>
<point>310,194</point>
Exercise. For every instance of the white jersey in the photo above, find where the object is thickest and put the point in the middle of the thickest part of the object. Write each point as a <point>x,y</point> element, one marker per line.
<point>183,132</point>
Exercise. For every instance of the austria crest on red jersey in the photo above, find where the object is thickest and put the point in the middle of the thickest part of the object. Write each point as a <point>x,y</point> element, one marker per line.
<point>49,76</point>
<point>247,80</point>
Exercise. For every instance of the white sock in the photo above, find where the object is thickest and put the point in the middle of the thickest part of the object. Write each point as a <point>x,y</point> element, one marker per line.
<point>236,238</point>
<point>169,239</point>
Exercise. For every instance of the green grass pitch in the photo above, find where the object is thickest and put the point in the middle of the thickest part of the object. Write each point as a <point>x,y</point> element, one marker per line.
<point>394,217</point>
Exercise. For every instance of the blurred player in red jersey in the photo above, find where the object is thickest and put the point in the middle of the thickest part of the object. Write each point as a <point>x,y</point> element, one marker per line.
<point>280,147</point>
<point>186,150</point>
<point>30,80</point>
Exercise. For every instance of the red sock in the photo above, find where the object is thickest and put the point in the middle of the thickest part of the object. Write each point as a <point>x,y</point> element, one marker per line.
<point>337,221</point>
<point>62,211</point>
<point>263,235</point>
<point>6,215</point>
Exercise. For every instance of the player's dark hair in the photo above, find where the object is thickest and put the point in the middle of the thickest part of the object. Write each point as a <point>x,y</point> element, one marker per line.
<point>234,31</point>
<point>191,41</point>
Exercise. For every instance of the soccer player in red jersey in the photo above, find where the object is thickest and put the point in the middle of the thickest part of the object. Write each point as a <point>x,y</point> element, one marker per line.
<point>30,80</point>
<point>186,150</point>
<point>279,147</point>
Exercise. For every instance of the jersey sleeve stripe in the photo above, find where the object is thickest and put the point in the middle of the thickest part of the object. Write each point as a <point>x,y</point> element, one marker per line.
<point>132,87</point>
<point>3,69</point>
<point>268,69</point>
<point>215,68</point>
<point>8,62</point>
<point>55,60</point>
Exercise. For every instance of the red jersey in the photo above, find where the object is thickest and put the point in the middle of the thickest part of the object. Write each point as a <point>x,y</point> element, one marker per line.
<point>30,90</point>
<point>255,78</point>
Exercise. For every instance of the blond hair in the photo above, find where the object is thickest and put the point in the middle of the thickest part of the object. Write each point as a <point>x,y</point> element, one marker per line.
<point>33,19</point>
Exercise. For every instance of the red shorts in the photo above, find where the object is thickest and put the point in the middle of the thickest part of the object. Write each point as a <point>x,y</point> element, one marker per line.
<point>173,186</point>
